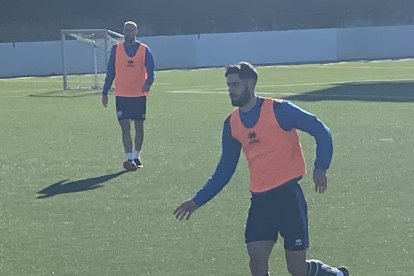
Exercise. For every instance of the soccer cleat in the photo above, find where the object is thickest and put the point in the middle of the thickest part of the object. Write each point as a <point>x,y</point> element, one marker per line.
<point>344,270</point>
<point>130,165</point>
<point>138,163</point>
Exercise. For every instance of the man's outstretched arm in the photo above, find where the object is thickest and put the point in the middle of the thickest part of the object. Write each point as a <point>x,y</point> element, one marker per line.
<point>224,171</point>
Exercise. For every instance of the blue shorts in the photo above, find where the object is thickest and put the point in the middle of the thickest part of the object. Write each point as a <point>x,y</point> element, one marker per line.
<point>132,108</point>
<point>281,210</point>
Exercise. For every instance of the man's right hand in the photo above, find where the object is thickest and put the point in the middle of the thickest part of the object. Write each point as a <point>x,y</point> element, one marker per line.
<point>105,100</point>
<point>185,210</point>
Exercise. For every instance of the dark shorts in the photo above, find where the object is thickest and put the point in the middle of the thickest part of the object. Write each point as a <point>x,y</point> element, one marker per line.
<point>133,108</point>
<point>281,210</point>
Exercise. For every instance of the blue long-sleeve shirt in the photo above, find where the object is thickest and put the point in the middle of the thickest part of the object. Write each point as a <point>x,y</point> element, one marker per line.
<point>289,116</point>
<point>130,49</point>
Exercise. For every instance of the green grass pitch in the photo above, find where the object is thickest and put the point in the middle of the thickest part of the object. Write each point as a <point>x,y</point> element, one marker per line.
<point>67,208</point>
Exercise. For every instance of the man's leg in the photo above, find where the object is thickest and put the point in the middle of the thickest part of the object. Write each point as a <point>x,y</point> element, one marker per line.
<point>294,229</point>
<point>299,266</point>
<point>296,262</point>
<point>138,113</point>
<point>129,164</point>
<point>126,135</point>
<point>259,253</point>
<point>139,139</point>
<point>139,134</point>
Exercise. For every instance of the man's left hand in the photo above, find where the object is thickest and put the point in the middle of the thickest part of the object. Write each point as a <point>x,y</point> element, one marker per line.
<point>320,180</point>
<point>145,88</point>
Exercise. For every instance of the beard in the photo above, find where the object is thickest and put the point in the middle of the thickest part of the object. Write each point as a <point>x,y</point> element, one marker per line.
<point>129,38</point>
<point>242,99</point>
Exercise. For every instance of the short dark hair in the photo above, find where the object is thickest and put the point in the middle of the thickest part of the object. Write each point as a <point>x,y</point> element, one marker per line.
<point>244,69</point>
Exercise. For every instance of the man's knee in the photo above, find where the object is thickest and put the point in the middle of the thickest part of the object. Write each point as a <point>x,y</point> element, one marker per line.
<point>259,253</point>
<point>296,262</point>
<point>296,270</point>
<point>259,266</point>
<point>125,125</point>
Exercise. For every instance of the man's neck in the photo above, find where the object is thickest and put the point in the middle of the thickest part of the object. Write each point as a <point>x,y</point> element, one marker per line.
<point>249,105</point>
<point>129,41</point>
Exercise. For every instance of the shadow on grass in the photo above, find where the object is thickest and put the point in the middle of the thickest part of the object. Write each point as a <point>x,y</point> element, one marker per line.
<point>64,187</point>
<point>67,93</point>
<point>368,91</point>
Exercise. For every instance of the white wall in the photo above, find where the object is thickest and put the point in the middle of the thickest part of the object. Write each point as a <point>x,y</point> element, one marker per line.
<point>207,50</point>
<point>30,59</point>
<point>172,51</point>
<point>266,47</point>
<point>375,43</point>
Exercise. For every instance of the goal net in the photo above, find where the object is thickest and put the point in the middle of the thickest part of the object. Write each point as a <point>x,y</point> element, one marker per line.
<point>85,55</point>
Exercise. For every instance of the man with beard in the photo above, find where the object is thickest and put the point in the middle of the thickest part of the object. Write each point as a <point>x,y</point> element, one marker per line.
<point>266,131</point>
<point>132,66</point>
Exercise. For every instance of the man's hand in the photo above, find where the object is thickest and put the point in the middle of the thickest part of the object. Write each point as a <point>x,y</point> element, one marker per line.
<point>105,100</point>
<point>320,180</point>
<point>185,210</point>
<point>145,88</point>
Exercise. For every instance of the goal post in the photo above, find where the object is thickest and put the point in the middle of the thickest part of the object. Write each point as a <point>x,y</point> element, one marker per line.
<point>85,55</point>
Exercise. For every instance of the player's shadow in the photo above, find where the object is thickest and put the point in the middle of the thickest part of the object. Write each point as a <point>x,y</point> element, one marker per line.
<point>66,186</point>
<point>368,91</point>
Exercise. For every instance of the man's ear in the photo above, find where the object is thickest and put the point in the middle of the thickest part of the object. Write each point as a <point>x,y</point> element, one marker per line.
<point>251,84</point>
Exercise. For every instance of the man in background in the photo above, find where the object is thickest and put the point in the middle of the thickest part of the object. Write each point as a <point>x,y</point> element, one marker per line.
<point>131,64</point>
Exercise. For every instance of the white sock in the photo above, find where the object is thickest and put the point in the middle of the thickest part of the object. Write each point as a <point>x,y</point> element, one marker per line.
<point>137,154</point>
<point>130,155</point>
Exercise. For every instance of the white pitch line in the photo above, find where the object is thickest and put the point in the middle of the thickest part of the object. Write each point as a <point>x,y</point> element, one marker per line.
<point>332,82</point>
<point>214,87</point>
<point>195,92</point>
<point>340,96</point>
<point>303,95</point>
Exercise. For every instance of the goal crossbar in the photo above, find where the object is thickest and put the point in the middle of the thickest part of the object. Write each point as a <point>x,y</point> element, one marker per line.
<point>66,31</point>
<point>90,41</point>
<point>100,39</point>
